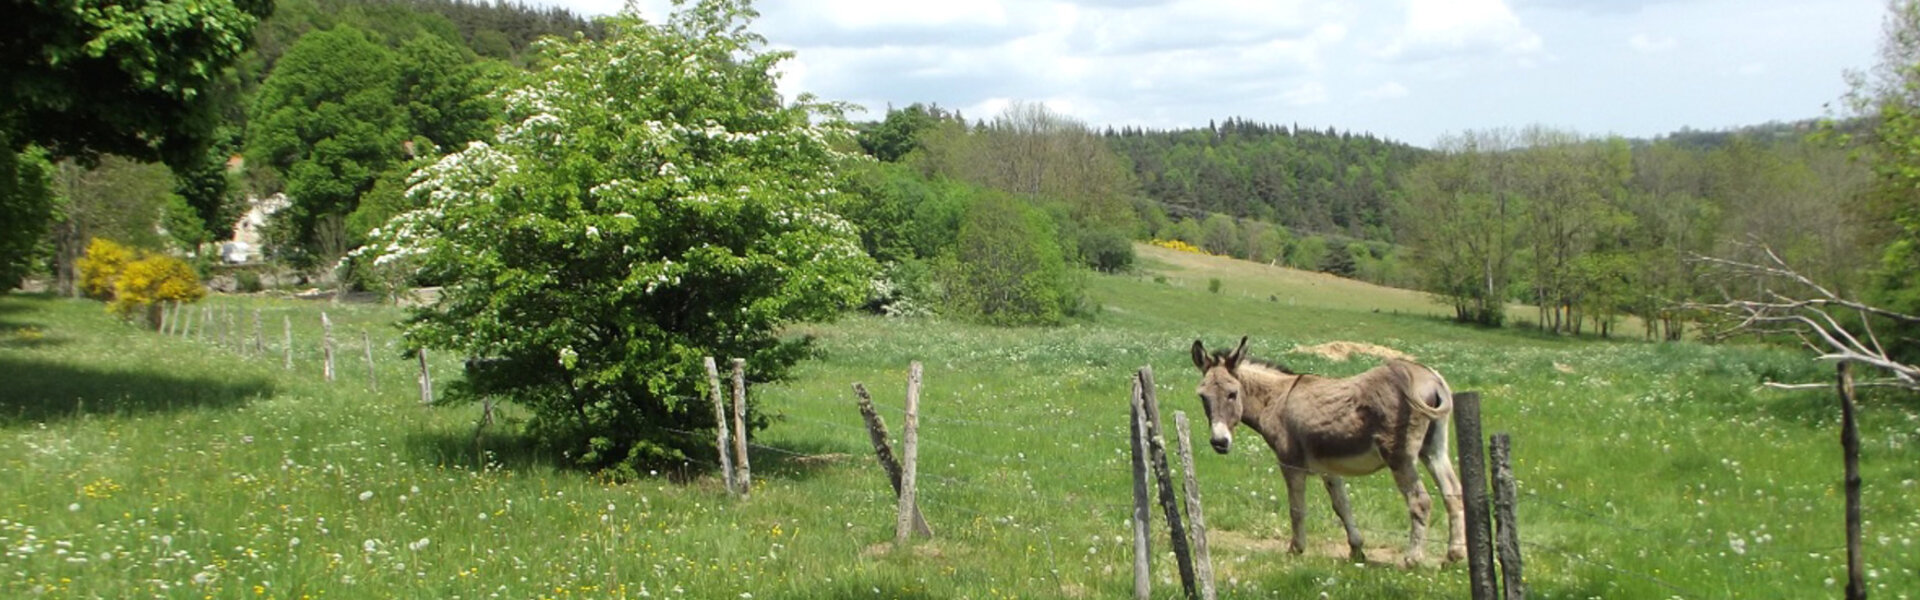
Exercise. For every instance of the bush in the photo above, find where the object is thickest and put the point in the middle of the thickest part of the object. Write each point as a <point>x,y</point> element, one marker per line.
<point>134,282</point>
<point>645,204</point>
<point>102,264</point>
<point>1007,269</point>
<point>1106,249</point>
<point>1213,285</point>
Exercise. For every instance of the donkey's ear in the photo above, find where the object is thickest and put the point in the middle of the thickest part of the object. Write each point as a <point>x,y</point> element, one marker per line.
<point>1199,356</point>
<point>1239,352</point>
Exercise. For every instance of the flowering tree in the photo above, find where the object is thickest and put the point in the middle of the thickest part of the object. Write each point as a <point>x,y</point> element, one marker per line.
<point>649,201</point>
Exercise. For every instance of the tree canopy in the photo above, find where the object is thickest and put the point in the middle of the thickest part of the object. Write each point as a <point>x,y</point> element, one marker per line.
<point>650,201</point>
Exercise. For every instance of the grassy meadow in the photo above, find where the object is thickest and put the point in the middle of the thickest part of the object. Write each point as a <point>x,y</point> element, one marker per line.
<point>137,465</point>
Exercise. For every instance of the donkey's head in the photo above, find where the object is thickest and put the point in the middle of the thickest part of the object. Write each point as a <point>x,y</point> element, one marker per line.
<point>1220,390</point>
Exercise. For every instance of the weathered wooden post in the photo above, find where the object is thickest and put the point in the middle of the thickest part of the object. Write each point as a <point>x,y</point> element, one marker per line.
<point>373,382</point>
<point>259,340</point>
<point>186,323</point>
<point>227,335</point>
<point>206,321</point>
<point>1202,563</point>
<point>426,380</point>
<point>1507,530</point>
<point>720,424</point>
<point>909,460</point>
<point>1473,483</point>
<point>326,328</point>
<point>877,433</point>
<point>166,317</point>
<point>286,323</point>
<point>1162,474</point>
<point>740,427</point>
<point>1850,453</point>
<point>1142,546</point>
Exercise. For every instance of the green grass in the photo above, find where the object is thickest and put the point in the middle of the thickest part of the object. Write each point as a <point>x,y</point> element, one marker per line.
<point>138,465</point>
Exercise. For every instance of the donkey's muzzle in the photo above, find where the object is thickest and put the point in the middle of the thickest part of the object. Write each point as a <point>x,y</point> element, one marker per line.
<point>1222,445</point>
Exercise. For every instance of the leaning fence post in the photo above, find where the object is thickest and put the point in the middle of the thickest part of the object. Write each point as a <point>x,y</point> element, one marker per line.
<point>720,424</point>
<point>1507,530</point>
<point>373,382</point>
<point>1473,483</point>
<point>426,380</point>
<point>909,459</point>
<point>1169,504</point>
<point>326,327</point>
<point>1142,547</point>
<point>877,433</point>
<point>1202,562</point>
<point>740,426</point>
<point>286,323</point>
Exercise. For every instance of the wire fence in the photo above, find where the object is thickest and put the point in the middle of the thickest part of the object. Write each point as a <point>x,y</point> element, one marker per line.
<point>232,328</point>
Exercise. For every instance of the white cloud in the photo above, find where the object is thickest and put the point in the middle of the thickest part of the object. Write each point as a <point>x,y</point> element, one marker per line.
<point>1648,44</point>
<point>1306,94</point>
<point>1753,69</point>
<point>1436,28</point>
<point>1386,91</point>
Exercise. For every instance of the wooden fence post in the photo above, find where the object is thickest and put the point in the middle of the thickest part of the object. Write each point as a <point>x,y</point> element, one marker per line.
<point>286,322</point>
<point>373,381</point>
<point>426,380</point>
<point>1473,483</point>
<point>186,323</point>
<point>326,326</point>
<point>740,427</point>
<point>206,321</point>
<point>259,341</point>
<point>1142,547</point>
<point>1169,502</point>
<point>227,335</point>
<point>877,433</point>
<point>1202,562</point>
<point>909,460</point>
<point>166,317</point>
<point>1850,453</point>
<point>1507,525</point>
<point>720,424</point>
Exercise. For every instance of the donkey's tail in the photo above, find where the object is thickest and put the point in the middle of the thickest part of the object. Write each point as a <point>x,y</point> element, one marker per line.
<point>1441,398</point>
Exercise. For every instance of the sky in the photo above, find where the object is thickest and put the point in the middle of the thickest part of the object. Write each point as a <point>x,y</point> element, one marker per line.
<point>1407,70</point>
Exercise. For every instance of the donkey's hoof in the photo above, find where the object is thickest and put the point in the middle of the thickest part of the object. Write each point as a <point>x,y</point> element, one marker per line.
<point>1357,556</point>
<point>1456,554</point>
<point>1296,548</point>
<point>1410,561</point>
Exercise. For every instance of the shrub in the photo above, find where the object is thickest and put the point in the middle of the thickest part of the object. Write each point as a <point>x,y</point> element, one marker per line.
<point>1007,269</point>
<point>1213,285</point>
<point>645,204</point>
<point>1106,249</point>
<point>100,266</point>
<point>135,282</point>
<point>150,281</point>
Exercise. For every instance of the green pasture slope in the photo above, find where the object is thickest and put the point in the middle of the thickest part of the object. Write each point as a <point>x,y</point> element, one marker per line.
<point>135,465</point>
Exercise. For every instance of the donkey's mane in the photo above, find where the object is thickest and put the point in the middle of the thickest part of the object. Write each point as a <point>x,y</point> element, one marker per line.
<point>1219,355</point>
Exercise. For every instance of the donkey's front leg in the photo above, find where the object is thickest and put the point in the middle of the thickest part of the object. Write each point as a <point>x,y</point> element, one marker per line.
<point>1296,506</point>
<point>1418,506</point>
<point>1337,490</point>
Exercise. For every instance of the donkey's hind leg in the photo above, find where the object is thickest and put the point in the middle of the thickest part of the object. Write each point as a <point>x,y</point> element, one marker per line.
<point>1296,506</point>
<point>1407,477</point>
<point>1437,456</point>
<point>1337,490</point>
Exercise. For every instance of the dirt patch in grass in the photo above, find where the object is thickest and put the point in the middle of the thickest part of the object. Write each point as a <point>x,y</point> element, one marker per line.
<point>1342,351</point>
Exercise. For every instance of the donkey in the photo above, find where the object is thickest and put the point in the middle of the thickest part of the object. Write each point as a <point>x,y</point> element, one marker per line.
<point>1385,417</point>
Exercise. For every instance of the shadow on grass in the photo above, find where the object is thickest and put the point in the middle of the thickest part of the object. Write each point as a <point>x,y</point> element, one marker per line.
<point>40,391</point>
<point>504,446</point>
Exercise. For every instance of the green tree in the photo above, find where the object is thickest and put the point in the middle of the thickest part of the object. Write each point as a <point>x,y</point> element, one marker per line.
<point>1007,268</point>
<point>648,202</point>
<point>1889,97</point>
<point>327,123</point>
<point>128,77</point>
<point>1219,235</point>
<point>445,91</point>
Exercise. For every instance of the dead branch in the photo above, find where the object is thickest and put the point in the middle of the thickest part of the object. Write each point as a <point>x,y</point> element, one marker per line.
<point>1805,311</point>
